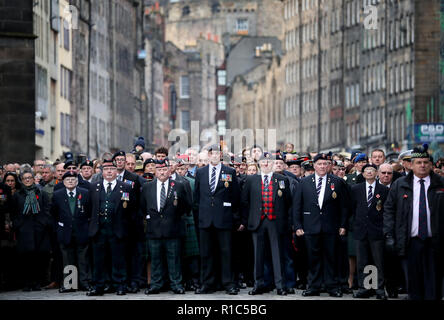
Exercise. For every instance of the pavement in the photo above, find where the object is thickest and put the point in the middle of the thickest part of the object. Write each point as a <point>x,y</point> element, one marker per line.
<point>53,294</point>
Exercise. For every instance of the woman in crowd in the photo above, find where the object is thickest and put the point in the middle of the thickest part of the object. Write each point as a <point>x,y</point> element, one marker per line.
<point>252,169</point>
<point>12,181</point>
<point>31,221</point>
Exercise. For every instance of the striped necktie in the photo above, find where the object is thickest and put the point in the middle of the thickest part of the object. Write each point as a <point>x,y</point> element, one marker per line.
<point>162,196</point>
<point>370,196</point>
<point>213,180</point>
<point>319,187</point>
<point>422,223</point>
<point>266,182</point>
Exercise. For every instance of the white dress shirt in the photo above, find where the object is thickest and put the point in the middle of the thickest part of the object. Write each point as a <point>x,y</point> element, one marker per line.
<point>218,168</point>
<point>324,184</point>
<point>416,194</point>
<point>173,176</point>
<point>73,191</point>
<point>373,189</point>
<point>113,184</point>
<point>159,188</point>
<point>120,176</point>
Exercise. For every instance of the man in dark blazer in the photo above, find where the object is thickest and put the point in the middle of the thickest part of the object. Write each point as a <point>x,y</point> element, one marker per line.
<point>265,202</point>
<point>163,203</point>
<point>136,236</point>
<point>71,211</point>
<point>368,200</point>
<point>216,199</point>
<point>72,166</point>
<point>319,214</point>
<point>113,206</point>
<point>414,226</point>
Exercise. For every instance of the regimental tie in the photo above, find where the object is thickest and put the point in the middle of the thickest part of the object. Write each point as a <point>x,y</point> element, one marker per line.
<point>108,189</point>
<point>319,187</point>
<point>422,224</point>
<point>72,202</point>
<point>266,183</point>
<point>162,195</point>
<point>213,180</point>
<point>370,196</point>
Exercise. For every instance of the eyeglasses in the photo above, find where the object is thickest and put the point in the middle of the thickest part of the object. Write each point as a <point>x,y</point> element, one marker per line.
<point>71,168</point>
<point>27,178</point>
<point>341,169</point>
<point>387,173</point>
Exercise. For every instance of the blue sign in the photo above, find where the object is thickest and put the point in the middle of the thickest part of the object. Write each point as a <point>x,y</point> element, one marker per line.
<point>429,132</point>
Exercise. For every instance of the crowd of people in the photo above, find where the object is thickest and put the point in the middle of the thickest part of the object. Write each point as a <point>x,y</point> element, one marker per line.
<point>209,220</point>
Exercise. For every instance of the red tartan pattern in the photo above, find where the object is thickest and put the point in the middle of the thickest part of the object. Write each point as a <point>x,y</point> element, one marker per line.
<point>267,202</point>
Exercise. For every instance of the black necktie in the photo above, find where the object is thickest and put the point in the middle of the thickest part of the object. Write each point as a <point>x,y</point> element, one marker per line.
<point>71,194</point>
<point>108,189</point>
<point>370,196</point>
<point>162,195</point>
<point>422,224</point>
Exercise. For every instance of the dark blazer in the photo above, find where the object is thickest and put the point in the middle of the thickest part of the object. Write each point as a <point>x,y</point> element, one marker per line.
<point>368,221</point>
<point>398,212</point>
<point>188,191</point>
<point>216,209</point>
<point>167,223</point>
<point>136,224</point>
<point>5,207</point>
<point>353,178</point>
<point>306,212</point>
<point>65,223</point>
<point>82,184</point>
<point>251,201</point>
<point>32,230</point>
<point>122,217</point>
<point>292,179</point>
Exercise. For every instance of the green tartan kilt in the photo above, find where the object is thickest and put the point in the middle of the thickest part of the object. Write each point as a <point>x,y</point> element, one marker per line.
<point>191,246</point>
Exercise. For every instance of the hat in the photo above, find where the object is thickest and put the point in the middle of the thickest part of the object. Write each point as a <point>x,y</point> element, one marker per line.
<point>308,165</point>
<point>69,163</point>
<point>87,163</point>
<point>139,165</point>
<point>214,147</point>
<point>265,156</point>
<point>360,157</point>
<point>68,156</point>
<point>354,153</point>
<point>369,165</point>
<point>320,156</point>
<point>108,163</point>
<point>338,163</point>
<point>162,163</point>
<point>406,155</point>
<point>278,155</point>
<point>294,161</point>
<point>330,156</point>
<point>140,142</point>
<point>69,174</point>
<point>421,152</point>
<point>119,153</point>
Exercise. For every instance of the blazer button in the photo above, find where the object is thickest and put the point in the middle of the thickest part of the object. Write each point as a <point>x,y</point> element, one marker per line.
<point>161,216</point>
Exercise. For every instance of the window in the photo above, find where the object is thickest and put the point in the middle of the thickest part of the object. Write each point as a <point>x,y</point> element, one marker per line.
<point>186,11</point>
<point>66,34</point>
<point>184,87</point>
<point>185,120</point>
<point>221,102</point>
<point>242,25</point>
<point>65,83</point>
<point>221,127</point>
<point>221,77</point>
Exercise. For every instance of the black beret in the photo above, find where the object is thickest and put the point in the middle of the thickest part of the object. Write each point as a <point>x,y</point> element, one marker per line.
<point>150,160</point>
<point>265,156</point>
<point>320,156</point>
<point>69,174</point>
<point>294,161</point>
<point>369,165</point>
<point>87,163</point>
<point>329,156</point>
<point>308,165</point>
<point>69,163</point>
<point>108,162</point>
<point>162,163</point>
<point>420,152</point>
<point>119,153</point>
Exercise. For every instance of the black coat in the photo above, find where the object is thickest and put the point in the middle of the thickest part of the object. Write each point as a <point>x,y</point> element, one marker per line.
<point>292,179</point>
<point>66,223</point>
<point>5,207</point>
<point>216,209</point>
<point>167,223</point>
<point>398,212</point>
<point>306,212</point>
<point>32,230</point>
<point>136,228</point>
<point>368,221</point>
<point>251,202</point>
<point>122,217</point>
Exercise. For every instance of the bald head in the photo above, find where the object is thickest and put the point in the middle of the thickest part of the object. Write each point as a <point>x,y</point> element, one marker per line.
<point>385,174</point>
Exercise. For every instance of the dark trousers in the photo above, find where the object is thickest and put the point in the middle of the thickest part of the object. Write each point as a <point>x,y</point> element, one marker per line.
<point>342,261</point>
<point>171,249</point>
<point>191,270</point>
<point>268,231</point>
<point>222,239</point>
<point>33,267</point>
<point>243,256</point>
<point>370,252</point>
<point>56,260</point>
<point>135,262</point>
<point>10,278</point>
<point>321,252</point>
<point>423,272</point>
<point>77,255</point>
<point>395,273</point>
<point>104,239</point>
<point>300,261</point>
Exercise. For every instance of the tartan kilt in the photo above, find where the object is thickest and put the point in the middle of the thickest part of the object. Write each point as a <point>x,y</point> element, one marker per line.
<point>191,246</point>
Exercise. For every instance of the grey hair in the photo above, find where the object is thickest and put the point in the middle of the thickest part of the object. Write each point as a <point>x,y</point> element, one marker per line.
<point>51,167</point>
<point>26,168</point>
